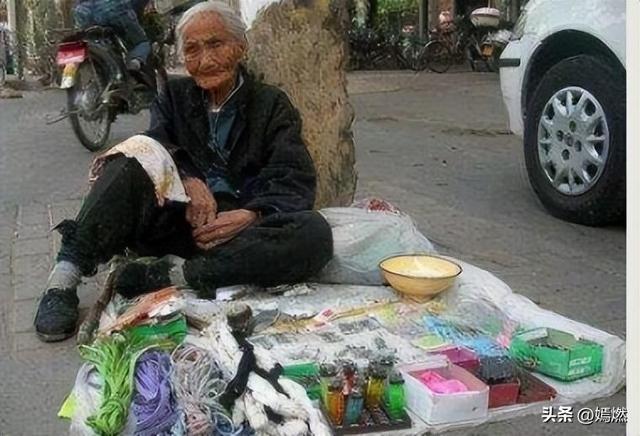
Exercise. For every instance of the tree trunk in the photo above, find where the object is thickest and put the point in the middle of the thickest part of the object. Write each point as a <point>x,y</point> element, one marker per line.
<point>64,8</point>
<point>300,46</point>
<point>35,18</point>
<point>373,12</point>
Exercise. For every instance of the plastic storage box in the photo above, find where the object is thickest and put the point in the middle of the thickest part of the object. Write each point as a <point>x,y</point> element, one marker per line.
<point>533,390</point>
<point>557,354</point>
<point>495,369</point>
<point>444,408</point>
<point>504,393</point>
<point>461,356</point>
<point>500,374</point>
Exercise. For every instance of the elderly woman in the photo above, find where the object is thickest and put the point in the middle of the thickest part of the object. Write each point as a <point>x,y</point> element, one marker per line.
<point>236,148</point>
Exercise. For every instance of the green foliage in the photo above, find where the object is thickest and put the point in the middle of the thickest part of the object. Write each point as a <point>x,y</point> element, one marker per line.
<point>397,6</point>
<point>393,14</point>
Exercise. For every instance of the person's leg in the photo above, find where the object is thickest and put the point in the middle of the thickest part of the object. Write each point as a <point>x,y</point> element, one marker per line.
<point>113,216</point>
<point>281,249</point>
<point>134,35</point>
<point>147,274</point>
<point>83,14</point>
<point>139,6</point>
<point>119,211</point>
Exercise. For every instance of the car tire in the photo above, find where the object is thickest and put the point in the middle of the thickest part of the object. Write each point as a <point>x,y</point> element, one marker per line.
<point>603,199</point>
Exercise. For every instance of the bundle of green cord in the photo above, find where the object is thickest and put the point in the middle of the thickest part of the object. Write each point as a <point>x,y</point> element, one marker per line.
<point>115,359</point>
<point>174,329</point>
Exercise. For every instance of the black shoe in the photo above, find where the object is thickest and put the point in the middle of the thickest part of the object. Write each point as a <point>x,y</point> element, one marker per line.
<point>141,276</point>
<point>57,315</point>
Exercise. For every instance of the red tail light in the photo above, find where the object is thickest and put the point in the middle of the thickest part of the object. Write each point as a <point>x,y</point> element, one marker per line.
<point>71,52</point>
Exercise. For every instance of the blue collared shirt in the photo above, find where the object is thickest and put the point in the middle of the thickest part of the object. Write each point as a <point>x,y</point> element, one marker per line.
<point>221,121</point>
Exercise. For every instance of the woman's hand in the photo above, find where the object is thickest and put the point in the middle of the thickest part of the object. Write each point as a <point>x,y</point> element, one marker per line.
<point>227,226</point>
<point>202,208</point>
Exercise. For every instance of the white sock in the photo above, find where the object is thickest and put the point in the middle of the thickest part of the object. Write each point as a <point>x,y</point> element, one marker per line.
<point>64,275</point>
<point>176,273</point>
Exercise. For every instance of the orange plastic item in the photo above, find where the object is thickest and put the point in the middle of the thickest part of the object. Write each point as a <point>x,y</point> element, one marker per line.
<point>142,309</point>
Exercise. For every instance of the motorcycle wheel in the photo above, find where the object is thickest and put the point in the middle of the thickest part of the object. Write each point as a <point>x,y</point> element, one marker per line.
<point>90,118</point>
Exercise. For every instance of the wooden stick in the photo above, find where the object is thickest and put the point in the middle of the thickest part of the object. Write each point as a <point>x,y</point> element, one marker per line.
<point>92,321</point>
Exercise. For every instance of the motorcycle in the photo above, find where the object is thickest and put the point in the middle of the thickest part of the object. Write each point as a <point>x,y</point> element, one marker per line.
<point>99,87</point>
<point>486,40</point>
<point>492,46</point>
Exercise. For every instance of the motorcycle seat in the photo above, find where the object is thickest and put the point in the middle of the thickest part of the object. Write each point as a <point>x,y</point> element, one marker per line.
<point>92,32</point>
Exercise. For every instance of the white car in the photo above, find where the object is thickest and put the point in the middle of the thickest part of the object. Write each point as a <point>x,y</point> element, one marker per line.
<point>563,79</point>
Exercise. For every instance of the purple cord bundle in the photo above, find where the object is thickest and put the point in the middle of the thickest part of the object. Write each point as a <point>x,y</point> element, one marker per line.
<point>153,404</point>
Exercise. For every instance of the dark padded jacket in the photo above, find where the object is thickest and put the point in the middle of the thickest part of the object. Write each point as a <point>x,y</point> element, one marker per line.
<point>268,164</point>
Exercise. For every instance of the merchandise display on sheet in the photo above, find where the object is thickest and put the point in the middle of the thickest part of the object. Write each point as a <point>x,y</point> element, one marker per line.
<point>475,353</point>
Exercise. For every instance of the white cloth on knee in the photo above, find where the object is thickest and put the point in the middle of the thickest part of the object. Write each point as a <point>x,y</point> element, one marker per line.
<point>155,160</point>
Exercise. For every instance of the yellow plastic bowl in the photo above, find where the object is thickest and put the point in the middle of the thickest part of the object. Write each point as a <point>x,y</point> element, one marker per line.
<point>419,275</point>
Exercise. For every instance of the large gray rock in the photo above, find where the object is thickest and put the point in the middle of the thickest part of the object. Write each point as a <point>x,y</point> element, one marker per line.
<point>300,47</point>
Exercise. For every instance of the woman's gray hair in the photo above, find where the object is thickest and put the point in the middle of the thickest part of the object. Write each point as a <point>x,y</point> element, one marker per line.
<point>231,18</point>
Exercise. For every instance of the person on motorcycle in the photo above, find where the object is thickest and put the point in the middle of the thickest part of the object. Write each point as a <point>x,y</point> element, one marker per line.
<point>219,190</point>
<point>122,16</point>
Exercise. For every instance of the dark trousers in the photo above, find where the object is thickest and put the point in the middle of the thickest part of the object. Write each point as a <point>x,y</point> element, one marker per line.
<point>121,212</point>
<point>122,16</point>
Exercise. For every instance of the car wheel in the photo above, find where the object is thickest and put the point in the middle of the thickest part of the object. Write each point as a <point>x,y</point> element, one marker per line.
<point>575,141</point>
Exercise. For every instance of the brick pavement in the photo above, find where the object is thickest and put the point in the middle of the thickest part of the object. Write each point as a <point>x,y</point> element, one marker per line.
<point>32,249</point>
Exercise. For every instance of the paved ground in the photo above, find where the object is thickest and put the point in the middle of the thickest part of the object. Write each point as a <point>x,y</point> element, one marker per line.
<point>435,145</point>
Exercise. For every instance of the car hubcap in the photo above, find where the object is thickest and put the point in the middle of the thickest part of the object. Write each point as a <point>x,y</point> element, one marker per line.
<point>573,140</point>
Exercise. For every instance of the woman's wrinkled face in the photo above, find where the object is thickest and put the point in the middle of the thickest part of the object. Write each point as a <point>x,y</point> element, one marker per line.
<point>211,52</point>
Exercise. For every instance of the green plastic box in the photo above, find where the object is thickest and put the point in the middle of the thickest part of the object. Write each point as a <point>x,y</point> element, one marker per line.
<point>557,354</point>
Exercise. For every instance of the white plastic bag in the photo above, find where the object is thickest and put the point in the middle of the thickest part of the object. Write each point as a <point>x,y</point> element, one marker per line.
<point>363,238</point>
<point>479,289</point>
<point>88,397</point>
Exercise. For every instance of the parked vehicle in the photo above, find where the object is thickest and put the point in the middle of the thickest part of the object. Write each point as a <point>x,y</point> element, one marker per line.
<point>489,49</point>
<point>375,50</point>
<point>475,38</point>
<point>563,79</point>
<point>486,39</point>
<point>99,86</point>
<point>446,45</point>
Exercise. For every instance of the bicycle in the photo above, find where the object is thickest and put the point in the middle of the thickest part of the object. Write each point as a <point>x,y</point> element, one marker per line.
<point>404,51</point>
<point>441,50</point>
<point>371,50</point>
<point>452,45</point>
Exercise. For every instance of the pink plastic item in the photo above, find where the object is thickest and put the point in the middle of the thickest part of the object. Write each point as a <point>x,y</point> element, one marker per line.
<point>440,385</point>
